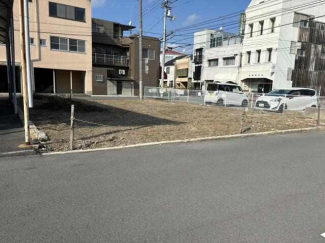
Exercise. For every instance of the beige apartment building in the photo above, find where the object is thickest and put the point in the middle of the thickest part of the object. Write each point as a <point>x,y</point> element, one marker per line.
<point>60,44</point>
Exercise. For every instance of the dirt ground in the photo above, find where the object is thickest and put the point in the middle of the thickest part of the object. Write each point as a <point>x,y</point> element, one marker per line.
<point>126,122</point>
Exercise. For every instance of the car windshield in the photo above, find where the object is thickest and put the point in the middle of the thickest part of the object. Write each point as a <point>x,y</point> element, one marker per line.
<point>279,92</point>
<point>212,87</point>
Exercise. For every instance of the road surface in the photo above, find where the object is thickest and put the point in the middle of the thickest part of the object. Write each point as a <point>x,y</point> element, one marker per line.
<point>265,189</point>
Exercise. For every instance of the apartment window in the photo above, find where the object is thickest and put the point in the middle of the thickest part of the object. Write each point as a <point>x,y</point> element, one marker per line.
<point>261,27</point>
<point>301,52</point>
<point>251,30</point>
<point>67,12</point>
<point>272,25</point>
<point>301,20</point>
<point>31,41</point>
<point>149,53</point>
<point>42,42</point>
<point>214,63</point>
<point>249,55</point>
<point>229,61</point>
<point>269,52</point>
<point>198,55</point>
<point>96,28</point>
<point>258,58</point>
<point>64,44</point>
<point>99,78</point>
<point>215,41</point>
<point>116,31</point>
<point>304,23</point>
<point>182,72</point>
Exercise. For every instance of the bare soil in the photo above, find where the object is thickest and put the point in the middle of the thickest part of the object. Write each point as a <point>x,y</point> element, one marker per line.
<point>126,122</point>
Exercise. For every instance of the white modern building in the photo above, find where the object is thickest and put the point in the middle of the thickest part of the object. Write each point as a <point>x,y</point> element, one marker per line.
<point>222,58</point>
<point>280,41</point>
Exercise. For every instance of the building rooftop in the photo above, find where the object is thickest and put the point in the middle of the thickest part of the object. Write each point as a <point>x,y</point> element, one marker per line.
<point>172,62</point>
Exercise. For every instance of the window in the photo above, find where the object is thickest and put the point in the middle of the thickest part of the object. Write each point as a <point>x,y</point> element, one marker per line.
<point>42,42</point>
<point>301,53</point>
<point>215,41</point>
<point>229,61</point>
<point>304,23</point>
<point>149,53</point>
<point>307,92</point>
<point>258,58</point>
<point>64,44</point>
<point>31,41</point>
<point>249,54</point>
<point>182,72</point>
<point>251,30</point>
<point>269,51</point>
<point>198,55</point>
<point>272,25</point>
<point>99,78</point>
<point>67,12</point>
<point>301,20</point>
<point>261,27</point>
<point>213,63</point>
<point>168,70</point>
<point>96,28</point>
<point>116,31</point>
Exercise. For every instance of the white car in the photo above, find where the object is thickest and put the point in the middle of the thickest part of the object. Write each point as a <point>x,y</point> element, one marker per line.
<point>225,94</point>
<point>295,99</point>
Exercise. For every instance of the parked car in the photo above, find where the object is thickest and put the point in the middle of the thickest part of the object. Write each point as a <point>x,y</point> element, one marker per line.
<point>222,94</point>
<point>295,99</point>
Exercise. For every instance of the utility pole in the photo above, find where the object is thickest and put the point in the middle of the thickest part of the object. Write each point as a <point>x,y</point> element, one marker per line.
<point>166,15</point>
<point>166,6</point>
<point>140,51</point>
<point>24,73</point>
<point>28,58</point>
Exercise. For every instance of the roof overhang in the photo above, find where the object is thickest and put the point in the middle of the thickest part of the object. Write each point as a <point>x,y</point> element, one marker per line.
<point>5,15</point>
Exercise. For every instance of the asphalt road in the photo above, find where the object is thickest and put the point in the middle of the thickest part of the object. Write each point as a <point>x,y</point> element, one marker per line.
<point>265,189</point>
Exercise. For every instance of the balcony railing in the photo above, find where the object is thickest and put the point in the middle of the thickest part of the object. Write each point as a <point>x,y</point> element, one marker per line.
<point>106,59</point>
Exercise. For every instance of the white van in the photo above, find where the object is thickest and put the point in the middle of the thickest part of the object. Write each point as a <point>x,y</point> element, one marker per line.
<point>295,99</point>
<point>225,94</point>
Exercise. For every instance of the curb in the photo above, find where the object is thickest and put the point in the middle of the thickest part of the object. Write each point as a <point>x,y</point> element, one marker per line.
<point>189,140</point>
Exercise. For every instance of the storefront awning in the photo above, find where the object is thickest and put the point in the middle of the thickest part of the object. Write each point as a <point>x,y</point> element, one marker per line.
<point>5,15</point>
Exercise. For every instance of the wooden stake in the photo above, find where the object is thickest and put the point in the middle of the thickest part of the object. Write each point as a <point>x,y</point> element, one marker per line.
<point>72,127</point>
<point>24,73</point>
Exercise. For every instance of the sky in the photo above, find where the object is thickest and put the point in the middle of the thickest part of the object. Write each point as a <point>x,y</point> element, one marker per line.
<point>187,13</point>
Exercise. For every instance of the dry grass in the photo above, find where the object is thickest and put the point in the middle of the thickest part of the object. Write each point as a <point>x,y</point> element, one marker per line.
<point>133,121</point>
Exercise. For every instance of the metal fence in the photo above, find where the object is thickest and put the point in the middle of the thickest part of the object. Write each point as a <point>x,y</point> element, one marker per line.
<point>170,94</point>
<point>258,101</point>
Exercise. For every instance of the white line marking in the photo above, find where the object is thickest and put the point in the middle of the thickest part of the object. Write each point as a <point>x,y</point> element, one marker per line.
<point>15,152</point>
<point>323,235</point>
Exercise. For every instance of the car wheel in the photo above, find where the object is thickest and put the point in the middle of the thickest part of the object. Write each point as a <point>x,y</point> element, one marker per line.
<point>281,108</point>
<point>244,103</point>
<point>220,102</point>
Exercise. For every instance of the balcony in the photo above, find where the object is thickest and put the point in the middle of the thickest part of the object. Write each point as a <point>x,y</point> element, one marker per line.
<point>106,59</point>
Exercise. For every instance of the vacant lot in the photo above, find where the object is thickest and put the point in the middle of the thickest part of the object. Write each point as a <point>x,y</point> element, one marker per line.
<point>125,122</point>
